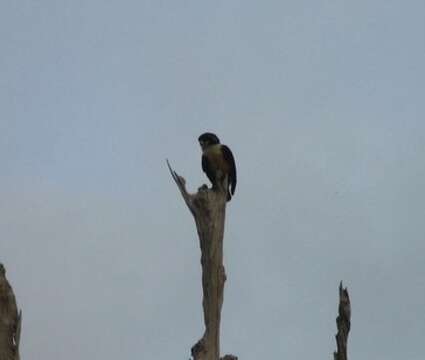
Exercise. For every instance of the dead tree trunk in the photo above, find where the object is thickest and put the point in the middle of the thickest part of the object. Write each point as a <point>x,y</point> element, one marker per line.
<point>343,324</point>
<point>10,320</point>
<point>208,207</point>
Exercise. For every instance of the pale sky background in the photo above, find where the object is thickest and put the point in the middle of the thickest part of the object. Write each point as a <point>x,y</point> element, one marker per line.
<point>322,103</point>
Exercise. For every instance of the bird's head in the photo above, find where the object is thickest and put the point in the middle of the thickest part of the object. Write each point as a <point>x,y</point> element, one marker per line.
<point>208,139</point>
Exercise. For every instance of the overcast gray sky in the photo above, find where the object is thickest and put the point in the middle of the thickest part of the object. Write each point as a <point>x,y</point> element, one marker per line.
<point>322,103</point>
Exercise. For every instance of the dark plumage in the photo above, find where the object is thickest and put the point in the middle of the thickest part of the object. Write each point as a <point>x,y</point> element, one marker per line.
<point>218,162</point>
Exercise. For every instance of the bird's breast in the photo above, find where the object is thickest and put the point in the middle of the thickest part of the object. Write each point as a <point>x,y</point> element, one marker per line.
<point>216,159</point>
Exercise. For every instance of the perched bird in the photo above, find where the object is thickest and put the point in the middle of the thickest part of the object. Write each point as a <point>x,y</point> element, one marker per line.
<point>218,163</point>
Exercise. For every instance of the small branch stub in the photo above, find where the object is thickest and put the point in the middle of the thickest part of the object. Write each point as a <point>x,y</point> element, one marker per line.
<point>208,207</point>
<point>343,323</point>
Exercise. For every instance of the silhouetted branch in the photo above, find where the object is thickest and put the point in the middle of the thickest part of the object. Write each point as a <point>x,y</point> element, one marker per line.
<point>343,324</point>
<point>10,320</point>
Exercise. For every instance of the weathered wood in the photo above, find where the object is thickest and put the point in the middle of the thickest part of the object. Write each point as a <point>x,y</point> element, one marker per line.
<point>208,207</point>
<point>343,324</point>
<point>10,320</point>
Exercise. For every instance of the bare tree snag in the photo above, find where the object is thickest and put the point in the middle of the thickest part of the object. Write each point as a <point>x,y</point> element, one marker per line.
<point>208,207</point>
<point>10,320</point>
<point>343,324</point>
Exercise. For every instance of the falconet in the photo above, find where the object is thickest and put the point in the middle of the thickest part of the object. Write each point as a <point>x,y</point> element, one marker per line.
<point>218,163</point>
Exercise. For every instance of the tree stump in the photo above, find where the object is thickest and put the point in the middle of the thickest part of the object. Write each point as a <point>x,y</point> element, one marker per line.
<point>208,207</point>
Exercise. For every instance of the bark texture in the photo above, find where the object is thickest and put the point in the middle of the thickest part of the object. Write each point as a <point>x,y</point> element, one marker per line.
<point>10,320</point>
<point>343,324</point>
<point>208,207</point>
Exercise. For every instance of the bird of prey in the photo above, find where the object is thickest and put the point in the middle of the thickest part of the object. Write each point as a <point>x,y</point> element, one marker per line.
<point>218,163</point>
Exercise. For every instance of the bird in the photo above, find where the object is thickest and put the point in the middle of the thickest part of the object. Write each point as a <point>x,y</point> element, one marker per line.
<point>218,163</point>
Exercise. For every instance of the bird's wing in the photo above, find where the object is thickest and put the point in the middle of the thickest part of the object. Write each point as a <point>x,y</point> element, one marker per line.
<point>228,156</point>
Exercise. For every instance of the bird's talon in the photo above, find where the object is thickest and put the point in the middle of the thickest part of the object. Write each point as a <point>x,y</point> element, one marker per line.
<point>203,188</point>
